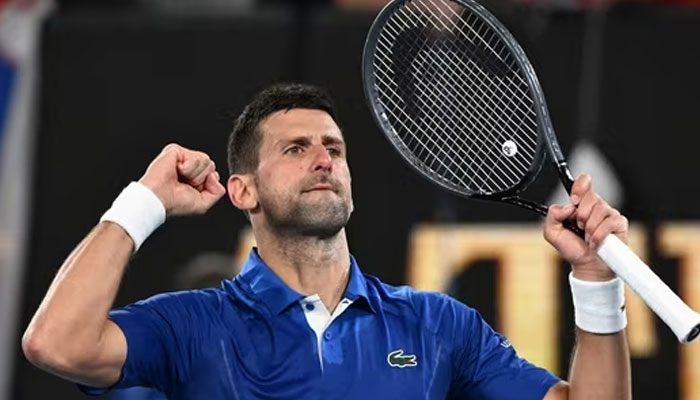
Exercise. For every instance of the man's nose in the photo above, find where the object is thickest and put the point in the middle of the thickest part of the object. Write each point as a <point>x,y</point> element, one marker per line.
<point>322,159</point>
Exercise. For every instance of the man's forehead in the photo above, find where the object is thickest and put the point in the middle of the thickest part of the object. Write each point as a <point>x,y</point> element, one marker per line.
<point>285,124</point>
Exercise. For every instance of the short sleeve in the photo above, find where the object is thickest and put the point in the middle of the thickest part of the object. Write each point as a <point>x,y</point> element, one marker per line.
<point>485,364</point>
<point>160,332</point>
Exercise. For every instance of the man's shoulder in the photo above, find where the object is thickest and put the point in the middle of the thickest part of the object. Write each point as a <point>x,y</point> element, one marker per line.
<point>192,299</point>
<point>402,293</point>
<point>427,306</point>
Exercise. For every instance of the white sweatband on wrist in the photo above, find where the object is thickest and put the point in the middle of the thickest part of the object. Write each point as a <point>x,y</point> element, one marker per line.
<point>599,307</point>
<point>138,211</point>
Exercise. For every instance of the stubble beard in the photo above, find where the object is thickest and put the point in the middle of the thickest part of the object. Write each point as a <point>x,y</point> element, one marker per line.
<point>301,217</point>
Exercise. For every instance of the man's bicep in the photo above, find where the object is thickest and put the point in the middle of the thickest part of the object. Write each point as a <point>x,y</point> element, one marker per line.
<point>487,366</point>
<point>140,347</point>
<point>102,369</point>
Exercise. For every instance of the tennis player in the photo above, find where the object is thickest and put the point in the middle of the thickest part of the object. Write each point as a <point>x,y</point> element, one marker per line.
<point>301,321</point>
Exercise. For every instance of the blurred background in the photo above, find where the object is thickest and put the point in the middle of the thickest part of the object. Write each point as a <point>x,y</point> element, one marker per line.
<point>90,91</point>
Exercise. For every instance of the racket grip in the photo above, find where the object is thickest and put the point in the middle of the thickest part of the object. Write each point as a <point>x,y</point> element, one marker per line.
<point>571,225</point>
<point>677,315</point>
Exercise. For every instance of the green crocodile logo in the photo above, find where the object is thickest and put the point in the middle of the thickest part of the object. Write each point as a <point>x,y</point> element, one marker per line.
<point>397,359</point>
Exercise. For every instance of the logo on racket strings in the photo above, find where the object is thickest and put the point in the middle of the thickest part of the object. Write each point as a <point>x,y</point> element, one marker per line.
<point>509,148</point>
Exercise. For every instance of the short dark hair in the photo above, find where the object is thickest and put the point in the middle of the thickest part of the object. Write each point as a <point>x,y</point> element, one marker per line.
<point>244,140</point>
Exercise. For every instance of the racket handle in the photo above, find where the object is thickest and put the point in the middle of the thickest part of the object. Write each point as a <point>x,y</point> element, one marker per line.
<point>682,320</point>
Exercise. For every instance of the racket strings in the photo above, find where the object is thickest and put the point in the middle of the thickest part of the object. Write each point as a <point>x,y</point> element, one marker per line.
<point>439,119</point>
<point>431,147</point>
<point>455,96</point>
<point>476,107</point>
<point>498,67</point>
<point>492,66</point>
<point>506,68</point>
<point>440,46</point>
<point>445,168</point>
<point>433,142</point>
<point>472,35</point>
<point>459,113</point>
<point>481,172</point>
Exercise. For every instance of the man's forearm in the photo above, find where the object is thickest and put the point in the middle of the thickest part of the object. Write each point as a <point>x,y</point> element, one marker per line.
<point>71,318</point>
<point>600,367</point>
<point>70,334</point>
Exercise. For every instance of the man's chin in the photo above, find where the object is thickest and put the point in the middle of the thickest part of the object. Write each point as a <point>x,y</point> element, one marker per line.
<point>317,216</point>
<point>324,223</point>
<point>323,232</point>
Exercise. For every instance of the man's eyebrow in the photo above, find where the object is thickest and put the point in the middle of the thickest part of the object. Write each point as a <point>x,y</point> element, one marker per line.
<point>298,140</point>
<point>329,139</point>
<point>306,140</point>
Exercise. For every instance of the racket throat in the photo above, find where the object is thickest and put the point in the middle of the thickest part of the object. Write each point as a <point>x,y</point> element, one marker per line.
<point>542,210</point>
<point>532,206</point>
<point>565,175</point>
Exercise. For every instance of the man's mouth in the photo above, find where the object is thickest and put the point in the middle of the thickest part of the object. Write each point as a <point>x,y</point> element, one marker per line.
<point>320,186</point>
<point>323,183</point>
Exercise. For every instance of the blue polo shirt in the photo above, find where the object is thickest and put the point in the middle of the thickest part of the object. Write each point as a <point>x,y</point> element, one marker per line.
<point>252,339</point>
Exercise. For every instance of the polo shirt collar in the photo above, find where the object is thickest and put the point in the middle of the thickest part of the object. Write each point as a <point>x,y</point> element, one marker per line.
<point>264,283</point>
<point>357,287</point>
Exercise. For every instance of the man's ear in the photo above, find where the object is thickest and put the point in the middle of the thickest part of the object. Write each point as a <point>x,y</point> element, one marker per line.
<point>242,192</point>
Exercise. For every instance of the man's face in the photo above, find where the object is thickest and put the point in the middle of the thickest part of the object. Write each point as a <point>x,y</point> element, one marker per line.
<point>302,179</point>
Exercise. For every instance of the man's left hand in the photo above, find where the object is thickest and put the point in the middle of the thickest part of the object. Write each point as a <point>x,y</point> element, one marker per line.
<point>597,218</point>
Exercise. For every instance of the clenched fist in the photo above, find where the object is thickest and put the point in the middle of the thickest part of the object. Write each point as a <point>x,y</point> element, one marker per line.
<point>593,215</point>
<point>185,181</point>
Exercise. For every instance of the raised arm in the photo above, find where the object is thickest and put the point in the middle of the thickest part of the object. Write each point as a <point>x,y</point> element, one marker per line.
<point>70,335</point>
<point>600,367</point>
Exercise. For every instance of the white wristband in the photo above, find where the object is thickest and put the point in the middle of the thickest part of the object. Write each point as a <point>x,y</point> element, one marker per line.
<point>138,210</point>
<point>599,307</point>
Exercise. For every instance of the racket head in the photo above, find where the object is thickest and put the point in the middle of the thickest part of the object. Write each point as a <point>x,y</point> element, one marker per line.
<point>440,27</point>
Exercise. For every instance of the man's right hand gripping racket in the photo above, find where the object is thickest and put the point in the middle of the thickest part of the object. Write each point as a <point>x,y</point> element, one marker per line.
<point>455,94</point>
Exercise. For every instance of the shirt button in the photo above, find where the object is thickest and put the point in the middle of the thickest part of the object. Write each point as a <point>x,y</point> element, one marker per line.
<point>310,306</point>
<point>328,335</point>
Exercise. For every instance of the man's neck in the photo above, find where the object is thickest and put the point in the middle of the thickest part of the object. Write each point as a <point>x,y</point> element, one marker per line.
<point>310,265</point>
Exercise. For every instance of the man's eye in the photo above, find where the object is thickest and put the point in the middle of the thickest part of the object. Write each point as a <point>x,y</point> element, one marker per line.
<point>334,151</point>
<point>293,150</point>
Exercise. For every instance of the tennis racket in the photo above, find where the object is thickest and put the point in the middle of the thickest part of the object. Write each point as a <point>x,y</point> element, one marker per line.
<point>455,94</point>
